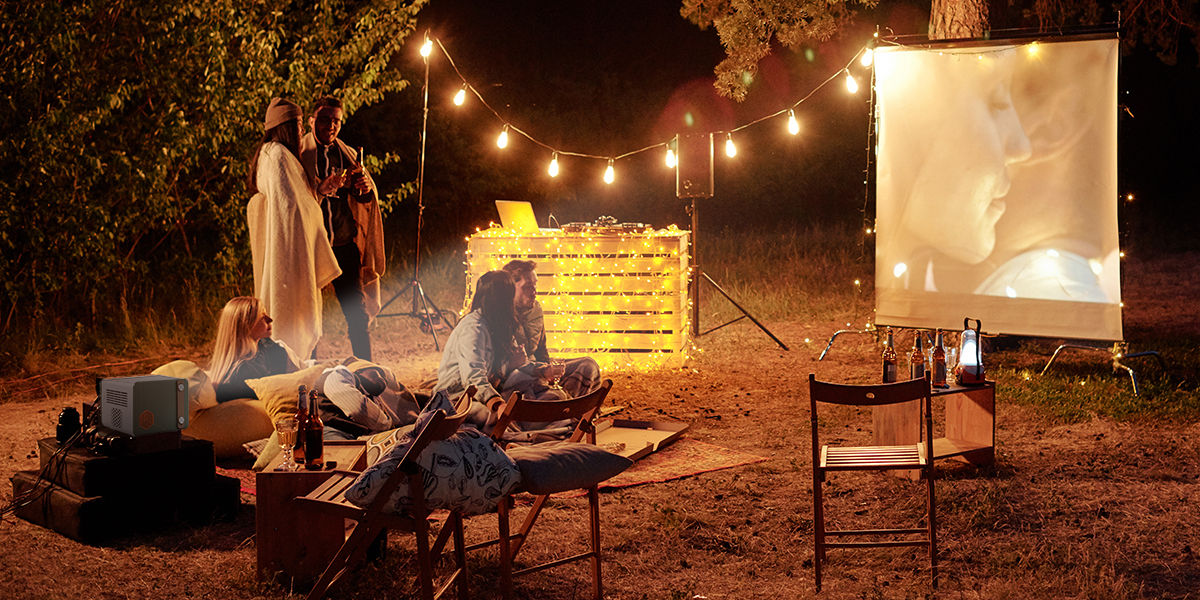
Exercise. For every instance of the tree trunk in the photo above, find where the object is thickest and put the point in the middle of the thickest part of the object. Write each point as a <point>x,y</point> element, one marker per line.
<point>956,19</point>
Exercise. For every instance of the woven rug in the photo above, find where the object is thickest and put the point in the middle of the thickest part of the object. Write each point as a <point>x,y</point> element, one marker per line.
<point>683,458</point>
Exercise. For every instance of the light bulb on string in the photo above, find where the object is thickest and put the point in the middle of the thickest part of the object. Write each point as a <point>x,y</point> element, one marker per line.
<point>793,126</point>
<point>851,83</point>
<point>730,148</point>
<point>427,47</point>
<point>609,172</point>
<point>671,162</point>
<point>868,56</point>
<point>553,170</point>
<point>461,95</point>
<point>502,141</point>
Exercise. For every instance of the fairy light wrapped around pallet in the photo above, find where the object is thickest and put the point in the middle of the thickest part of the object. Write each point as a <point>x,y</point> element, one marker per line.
<point>620,298</point>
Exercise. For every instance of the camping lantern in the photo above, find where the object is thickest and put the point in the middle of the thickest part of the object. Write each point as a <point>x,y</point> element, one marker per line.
<point>970,355</point>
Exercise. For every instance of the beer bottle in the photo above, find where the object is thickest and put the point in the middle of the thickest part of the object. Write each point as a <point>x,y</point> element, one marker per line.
<point>889,359</point>
<point>314,446</point>
<point>916,360</point>
<point>301,424</point>
<point>939,362</point>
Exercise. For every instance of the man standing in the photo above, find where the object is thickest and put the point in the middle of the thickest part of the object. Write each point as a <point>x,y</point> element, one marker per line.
<point>577,376</point>
<point>350,204</point>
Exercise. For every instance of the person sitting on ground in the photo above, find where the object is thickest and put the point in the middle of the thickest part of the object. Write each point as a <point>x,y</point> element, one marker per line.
<point>578,376</point>
<point>244,349</point>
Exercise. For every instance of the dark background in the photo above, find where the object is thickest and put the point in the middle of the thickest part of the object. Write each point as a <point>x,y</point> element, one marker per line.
<point>610,77</point>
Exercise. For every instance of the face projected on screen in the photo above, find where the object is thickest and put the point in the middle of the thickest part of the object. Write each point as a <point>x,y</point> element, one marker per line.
<point>952,187</point>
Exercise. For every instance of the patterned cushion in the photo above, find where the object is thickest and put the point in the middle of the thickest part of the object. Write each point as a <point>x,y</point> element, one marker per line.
<point>467,472</point>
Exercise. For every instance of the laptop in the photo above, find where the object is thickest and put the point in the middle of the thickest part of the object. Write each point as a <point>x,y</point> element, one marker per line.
<point>517,215</point>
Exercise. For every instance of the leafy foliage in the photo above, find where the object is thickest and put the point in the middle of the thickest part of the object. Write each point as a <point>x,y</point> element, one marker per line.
<point>128,133</point>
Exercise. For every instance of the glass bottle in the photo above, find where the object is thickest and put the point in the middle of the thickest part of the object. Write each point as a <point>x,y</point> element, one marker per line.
<point>314,445</point>
<point>890,371</point>
<point>916,360</point>
<point>301,424</point>
<point>939,362</point>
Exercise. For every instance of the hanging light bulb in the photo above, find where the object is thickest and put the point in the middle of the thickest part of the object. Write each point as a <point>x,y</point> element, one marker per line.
<point>461,95</point>
<point>427,47</point>
<point>851,83</point>
<point>671,162</point>
<point>502,141</point>
<point>553,170</point>
<point>730,149</point>
<point>609,172</point>
<point>793,124</point>
<point>868,56</point>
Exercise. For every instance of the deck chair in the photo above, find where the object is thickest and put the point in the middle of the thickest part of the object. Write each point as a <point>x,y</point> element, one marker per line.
<point>918,456</point>
<point>516,409</point>
<point>372,521</point>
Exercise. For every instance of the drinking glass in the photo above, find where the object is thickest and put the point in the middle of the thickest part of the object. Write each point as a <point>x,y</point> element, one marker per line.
<point>285,428</point>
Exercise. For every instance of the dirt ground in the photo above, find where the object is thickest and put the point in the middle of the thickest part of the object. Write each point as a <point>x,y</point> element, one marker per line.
<point>1092,509</point>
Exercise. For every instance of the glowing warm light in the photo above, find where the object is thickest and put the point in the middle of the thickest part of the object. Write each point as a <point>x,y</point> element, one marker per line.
<point>851,83</point>
<point>610,174</point>
<point>427,47</point>
<point>553,169</point>
<point>899,269</point>
<point>1033,49</point>
<point>502,141</point>
<point>857,282</point>
<point>868,56</point>
<point>671,162</point>
<point>460,96</point>
<point>793,124</point>
<point>730,149</point>
<point>1129,197</point>
<point>1122,254</point>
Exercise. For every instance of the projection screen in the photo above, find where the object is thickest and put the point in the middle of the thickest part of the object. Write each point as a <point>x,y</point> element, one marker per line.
<point>996,188</point>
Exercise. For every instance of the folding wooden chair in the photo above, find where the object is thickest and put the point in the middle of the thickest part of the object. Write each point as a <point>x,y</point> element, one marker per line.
<point>516,409</point>
<point>370,521</point>
<point>869,458</point>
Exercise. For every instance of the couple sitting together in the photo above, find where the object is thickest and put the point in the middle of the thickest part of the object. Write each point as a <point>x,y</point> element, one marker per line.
<point>499,347</point>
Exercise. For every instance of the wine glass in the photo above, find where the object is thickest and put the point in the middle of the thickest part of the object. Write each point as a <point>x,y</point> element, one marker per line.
<point>285,428</point>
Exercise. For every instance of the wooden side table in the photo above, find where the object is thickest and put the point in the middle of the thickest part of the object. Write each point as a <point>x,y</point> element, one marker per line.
<point>969,430</point>
<point>288,540</point>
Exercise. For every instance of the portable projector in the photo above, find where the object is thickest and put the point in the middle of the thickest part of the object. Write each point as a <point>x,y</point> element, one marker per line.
<point>144,405</point>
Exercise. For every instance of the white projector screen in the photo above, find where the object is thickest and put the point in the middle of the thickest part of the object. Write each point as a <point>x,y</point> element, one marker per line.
<point>996,188</point>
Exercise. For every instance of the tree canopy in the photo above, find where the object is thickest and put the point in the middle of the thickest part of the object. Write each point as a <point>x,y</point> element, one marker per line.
<point>129,130</point>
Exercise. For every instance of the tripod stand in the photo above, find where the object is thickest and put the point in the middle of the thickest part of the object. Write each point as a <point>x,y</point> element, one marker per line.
<point>422,308</point>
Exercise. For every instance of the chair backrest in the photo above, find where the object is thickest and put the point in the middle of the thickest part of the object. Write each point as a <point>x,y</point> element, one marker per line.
<point>439,427</point>
<point>878,394</point>
<point>585,408</point>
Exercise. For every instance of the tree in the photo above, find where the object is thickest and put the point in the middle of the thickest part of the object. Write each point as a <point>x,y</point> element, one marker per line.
<point>748,28</point>
<point>128,133</point>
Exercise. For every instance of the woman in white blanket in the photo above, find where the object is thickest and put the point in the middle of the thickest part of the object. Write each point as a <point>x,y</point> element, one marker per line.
<point>292,256</point>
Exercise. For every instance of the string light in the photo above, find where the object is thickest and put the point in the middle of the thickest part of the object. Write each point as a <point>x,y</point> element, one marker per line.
<point>868,56</point>
<point>671,162</point>
<point>730,149</point>
<point>1033,49</point>
<point>793,126</point>
<point>851,83</point>
<point>426,47</point>
<point>609,172</point>
<point>553,170</point>
<point>502,141</point>
<point>461,96</point>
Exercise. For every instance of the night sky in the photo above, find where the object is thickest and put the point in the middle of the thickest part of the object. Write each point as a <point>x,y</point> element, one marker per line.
<point>610,77</point>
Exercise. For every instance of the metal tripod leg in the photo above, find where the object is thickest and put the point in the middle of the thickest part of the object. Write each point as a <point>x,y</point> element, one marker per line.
<point>422,308</point>
<point>745,313</point>
<point>1117,352</point>
<point>834,337</point>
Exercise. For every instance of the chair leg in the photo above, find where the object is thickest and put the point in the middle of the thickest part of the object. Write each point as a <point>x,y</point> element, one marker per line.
<point>594,506</point>
<point>527,524</point>
<point>424,563</point>
<point>818,528</point>
<point>506,551</point>
<point>361,535</point>
<point>932,533</point>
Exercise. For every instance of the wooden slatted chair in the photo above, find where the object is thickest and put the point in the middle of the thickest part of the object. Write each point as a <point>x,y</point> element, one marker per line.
<point>827,459</point>
<point>516,409</point>
<point>371,521</point>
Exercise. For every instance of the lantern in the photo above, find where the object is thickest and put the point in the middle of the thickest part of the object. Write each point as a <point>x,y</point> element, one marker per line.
<point>970,355</point>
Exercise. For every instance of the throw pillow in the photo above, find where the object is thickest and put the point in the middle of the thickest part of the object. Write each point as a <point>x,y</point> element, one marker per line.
<point>201,394</point>
<point>553,467</point>
<point>278,392</point>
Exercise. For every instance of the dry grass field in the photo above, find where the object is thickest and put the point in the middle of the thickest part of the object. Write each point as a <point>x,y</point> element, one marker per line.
<point>1095,493</point>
